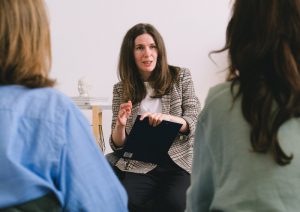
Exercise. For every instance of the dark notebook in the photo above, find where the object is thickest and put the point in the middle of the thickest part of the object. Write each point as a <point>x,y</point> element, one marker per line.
<point>147,143</point>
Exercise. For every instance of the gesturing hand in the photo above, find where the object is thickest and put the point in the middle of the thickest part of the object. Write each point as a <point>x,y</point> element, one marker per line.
<point>124,113</point>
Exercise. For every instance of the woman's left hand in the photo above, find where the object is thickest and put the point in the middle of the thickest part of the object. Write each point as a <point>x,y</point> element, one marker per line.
<point>155,118</point>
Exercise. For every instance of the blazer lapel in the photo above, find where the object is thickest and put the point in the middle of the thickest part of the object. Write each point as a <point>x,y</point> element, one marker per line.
<point>165,101</point>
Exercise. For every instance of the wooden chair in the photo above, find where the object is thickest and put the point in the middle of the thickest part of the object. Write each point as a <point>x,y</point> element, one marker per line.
<point>97,126</point>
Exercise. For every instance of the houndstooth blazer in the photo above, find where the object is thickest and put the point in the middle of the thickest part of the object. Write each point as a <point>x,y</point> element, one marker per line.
<point>182,102</point>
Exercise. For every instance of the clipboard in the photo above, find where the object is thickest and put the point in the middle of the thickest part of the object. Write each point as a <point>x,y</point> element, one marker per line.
<point>147,143</point>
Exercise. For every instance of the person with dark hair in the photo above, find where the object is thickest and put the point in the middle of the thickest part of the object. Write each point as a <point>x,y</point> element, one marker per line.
<point>49,160</point>
<point>151,88</point>
<point>247,143</point>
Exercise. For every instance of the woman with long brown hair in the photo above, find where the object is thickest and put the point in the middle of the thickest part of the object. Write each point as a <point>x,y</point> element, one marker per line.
<point>152,88</point>
<point>247,145</point>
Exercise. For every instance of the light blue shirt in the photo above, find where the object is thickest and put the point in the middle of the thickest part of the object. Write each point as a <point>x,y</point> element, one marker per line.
<point>227,175</point>
<point>46,145</point>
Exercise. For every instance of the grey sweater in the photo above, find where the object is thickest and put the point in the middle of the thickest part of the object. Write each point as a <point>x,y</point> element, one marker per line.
<point>227,175</point>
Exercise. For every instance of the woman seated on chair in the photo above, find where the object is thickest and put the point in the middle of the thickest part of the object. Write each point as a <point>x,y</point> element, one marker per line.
<point>151,88</point>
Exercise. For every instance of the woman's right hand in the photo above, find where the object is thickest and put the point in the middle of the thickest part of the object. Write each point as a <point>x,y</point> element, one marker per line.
<point>124,113</point>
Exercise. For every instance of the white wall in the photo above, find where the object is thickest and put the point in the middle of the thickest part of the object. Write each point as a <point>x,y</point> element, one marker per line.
<point>87,35</point>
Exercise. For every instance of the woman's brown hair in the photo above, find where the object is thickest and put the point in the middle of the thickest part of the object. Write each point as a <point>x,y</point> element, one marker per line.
<point>162,77</point>
<point>263,42</point>
<point>25,51</point>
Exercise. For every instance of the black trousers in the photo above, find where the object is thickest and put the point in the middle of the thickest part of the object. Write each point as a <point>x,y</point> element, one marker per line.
<point>48,203</point>
<point>160,190</point>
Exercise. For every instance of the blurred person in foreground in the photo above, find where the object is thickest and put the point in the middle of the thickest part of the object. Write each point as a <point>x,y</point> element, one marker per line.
<point>247,143</point>
<point>48,157</point>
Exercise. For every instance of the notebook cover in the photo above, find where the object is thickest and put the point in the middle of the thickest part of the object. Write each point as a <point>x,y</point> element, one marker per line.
<point>147,143</point>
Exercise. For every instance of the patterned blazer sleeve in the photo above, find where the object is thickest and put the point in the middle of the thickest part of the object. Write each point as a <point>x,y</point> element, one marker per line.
<point>116,101</point>
<point>190,102</point>
<point>184,103</point>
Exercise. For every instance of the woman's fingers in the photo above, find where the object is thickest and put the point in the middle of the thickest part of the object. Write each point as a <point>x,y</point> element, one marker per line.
<point>124,112</point>
<point>126,107</point>
<point>144,115</point>
<point>154,118</point>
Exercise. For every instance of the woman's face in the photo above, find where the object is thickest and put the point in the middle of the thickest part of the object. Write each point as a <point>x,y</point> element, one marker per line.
<point>145,55</point>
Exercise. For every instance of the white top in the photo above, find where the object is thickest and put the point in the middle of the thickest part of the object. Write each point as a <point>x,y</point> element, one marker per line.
<point>149,104</point>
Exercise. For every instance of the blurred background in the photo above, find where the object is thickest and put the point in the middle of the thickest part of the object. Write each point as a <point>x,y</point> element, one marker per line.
<point>87,35</point>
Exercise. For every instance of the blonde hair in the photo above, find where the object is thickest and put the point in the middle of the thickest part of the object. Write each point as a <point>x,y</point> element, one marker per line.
<point>25,49</point>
